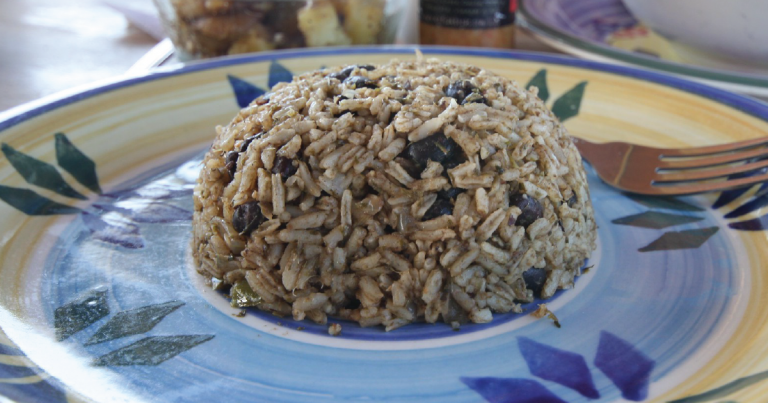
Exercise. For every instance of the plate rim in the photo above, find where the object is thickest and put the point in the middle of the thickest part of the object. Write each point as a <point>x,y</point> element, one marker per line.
<point>750,83</point>
<point>29,110</point>
<point>501,55</point>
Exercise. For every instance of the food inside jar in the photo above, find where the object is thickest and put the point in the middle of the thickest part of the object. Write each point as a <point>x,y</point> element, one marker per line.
<point>209,28</point>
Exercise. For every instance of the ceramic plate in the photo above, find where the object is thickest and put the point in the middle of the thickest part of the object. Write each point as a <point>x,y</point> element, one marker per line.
<point>100,301</point>
<point>604,30</point>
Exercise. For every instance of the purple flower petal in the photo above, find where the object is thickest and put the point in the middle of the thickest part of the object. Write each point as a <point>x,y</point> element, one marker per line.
<point>118,233</point>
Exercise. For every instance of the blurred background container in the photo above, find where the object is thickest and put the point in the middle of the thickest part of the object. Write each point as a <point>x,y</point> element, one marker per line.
<point>704,31</point>
<point>209,28</point>
<point>488,24</point>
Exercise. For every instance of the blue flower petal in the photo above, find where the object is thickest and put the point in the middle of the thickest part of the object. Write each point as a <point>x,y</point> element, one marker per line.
<point>752,205</point>
<point>628,368</point>
<point>559,366</point>
<point>245,92</point>
<point>728,196</point>
<point>278,74</point>
<point>757,224</point>
<point>731,195</point>
<point>511,390</point>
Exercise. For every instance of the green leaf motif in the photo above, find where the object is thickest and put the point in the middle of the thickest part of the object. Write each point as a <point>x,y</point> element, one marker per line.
<point>132,322</point>
<point>79,314</point>
<point>278,74</point>
<point>39,173</point>
<point>668,203</point>
<point>655,220</point>
<point>31,203</point>
<point>690,239</point>
<point>725,390</point>
<point>151,350</point>
<point>567,106</point>
<point>540,81</point>
<point>72,160</point>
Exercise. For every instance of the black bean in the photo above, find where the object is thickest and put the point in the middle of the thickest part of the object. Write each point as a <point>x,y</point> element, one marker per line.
<point>452,311</point>
<point>345,72</point>
<point>439,208</point>
<point>231,162</point>
<point>285,167</point>
<point>457,159</point>
<point>244,145</point>
<point>247,217</point>
<point>436,147</point>
<point>391,118</point>
<point>409,167</point>
<point>572,201</point>
<point>353,113</point>
<point>531,209</point>
<point>450,194</point>
<point>356,82</point>
<point>459,90</point>
<point>352,304</point>
<point>474,98</point>
<point>534,280</point>
<point>338,115</point>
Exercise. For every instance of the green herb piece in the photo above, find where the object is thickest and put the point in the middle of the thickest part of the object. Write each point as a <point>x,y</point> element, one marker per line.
<point>243,295</point>
<point>216,284</point>
<point>552,316</point>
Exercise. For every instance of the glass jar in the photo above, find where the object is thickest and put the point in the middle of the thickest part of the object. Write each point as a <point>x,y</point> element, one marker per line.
<point>209,28</point>
<point>484,23</point>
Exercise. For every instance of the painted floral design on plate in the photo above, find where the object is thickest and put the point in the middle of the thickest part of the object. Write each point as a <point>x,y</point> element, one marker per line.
<point>104,315</point>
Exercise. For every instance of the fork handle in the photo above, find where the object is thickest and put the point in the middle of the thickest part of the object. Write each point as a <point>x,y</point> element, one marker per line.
<point>587,149</point>
<point>608,159</point>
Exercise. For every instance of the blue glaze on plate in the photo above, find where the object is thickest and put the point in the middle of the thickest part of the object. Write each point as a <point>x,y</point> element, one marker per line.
<point>627,367</point>
<point>559,366</point>
<point>683,306</point>
<point>665,305</point>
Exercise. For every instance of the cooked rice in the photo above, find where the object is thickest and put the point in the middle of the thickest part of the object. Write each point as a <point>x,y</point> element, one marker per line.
<point>338,217</point>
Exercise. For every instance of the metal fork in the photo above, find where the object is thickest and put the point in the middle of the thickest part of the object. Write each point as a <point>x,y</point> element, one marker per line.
<point>684,171</point>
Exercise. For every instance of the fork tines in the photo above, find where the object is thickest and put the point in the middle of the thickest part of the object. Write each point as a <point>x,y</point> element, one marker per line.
<point>720,167</point>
